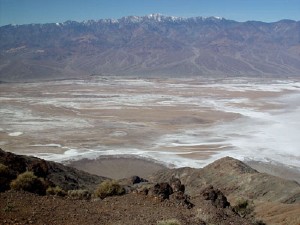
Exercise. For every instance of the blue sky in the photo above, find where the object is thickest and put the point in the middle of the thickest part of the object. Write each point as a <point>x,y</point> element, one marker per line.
<point>47,11</point>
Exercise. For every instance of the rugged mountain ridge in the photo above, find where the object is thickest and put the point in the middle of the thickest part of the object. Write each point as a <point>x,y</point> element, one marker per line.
<point>235,179</point>
<point>57,174</point>
<point>153,45</point>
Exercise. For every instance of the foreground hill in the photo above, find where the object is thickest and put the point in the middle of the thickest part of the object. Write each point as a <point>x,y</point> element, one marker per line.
<point>57,174</point>
<point>277,201</point>
<point>236,179</point>
<point>189,196</point>
<point>153,45</point>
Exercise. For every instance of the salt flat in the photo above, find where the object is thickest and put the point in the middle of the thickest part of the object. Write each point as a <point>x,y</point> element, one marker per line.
<point>178,122</point>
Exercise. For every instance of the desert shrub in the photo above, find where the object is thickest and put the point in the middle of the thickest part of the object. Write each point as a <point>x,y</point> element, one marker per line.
<point>169,222</point>
<point>6,176</point>
<point>109,188</point>
<point>80,194</point>
<point>27,181</point>
<point>243,208</point>
<point>56,191</point>
<point>3,169</point>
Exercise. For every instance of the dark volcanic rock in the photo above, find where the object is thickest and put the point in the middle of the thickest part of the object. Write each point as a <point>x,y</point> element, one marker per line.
<point>161,190</point>
<point>181,199</point>
<point>176,185</point>
<point>137,180</point>
<point>217,198</point>
<point>12,161</point>
<point>39,168</point>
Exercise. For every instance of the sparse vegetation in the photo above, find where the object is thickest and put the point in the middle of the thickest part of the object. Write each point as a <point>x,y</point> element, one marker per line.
<point>3,169</point>
<point>109,188</point>
<point>58,191</point>
<point>80,194</point>
<point>5,177</point>
<point>244,207</point>
<point>9,207</point>
<point>27,181</point>
<point>169,222</point>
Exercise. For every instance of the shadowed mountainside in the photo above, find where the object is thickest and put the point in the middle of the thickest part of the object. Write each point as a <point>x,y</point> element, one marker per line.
<point>55,173</point>
<point>153,45</point>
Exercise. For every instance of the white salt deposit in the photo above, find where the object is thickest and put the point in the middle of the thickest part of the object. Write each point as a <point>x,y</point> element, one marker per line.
<point>15,134</point>
<point>257,134</point>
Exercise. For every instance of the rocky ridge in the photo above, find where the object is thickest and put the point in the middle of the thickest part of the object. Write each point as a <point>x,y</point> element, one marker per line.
<point>224,192</point>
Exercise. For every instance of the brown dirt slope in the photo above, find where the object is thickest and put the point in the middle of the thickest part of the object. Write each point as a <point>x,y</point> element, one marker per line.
<point>130,209</point>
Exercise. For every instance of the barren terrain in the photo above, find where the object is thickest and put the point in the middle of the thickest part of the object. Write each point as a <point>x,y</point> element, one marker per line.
<point>177,122</point>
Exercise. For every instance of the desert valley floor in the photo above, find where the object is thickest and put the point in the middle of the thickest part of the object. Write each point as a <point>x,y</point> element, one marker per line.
<point>178,122</point>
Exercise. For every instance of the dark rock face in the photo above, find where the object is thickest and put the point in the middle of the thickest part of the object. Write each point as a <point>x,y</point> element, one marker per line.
<point>13,161</point>
<point>181,199</point>
<point>217,198</point>
<point>39,168</point>
<point>176,185</point>
<point>161,190</point>
<point>137,180</point>
<point>173,191</point>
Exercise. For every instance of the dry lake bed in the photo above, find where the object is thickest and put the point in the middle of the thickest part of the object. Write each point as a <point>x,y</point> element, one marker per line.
<point>177,122</point>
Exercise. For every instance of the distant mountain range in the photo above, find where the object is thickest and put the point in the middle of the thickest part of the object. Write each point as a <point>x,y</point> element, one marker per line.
<point>152,45</point>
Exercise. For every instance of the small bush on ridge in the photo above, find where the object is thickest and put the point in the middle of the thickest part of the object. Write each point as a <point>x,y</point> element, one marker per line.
<point>243,208</point>
<point>109,188</point>
<point>56,191</point>
<point>3,169</point>
<point>27,181</point>
<point>80,194</point>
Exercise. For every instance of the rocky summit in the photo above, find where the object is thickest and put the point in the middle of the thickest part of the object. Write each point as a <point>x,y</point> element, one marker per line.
<point>224,192</point>
<point>153,45</point>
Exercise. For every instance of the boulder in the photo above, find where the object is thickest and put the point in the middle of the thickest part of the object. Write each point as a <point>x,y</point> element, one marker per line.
<point>176,185</point>
<point>161,190</point>
<point>217,198</point>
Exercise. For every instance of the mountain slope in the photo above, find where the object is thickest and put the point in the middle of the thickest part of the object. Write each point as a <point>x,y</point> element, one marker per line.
<point>152,45</point>
<point>236,180</point>
<point>65,177</point>
<point>276,200</point>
